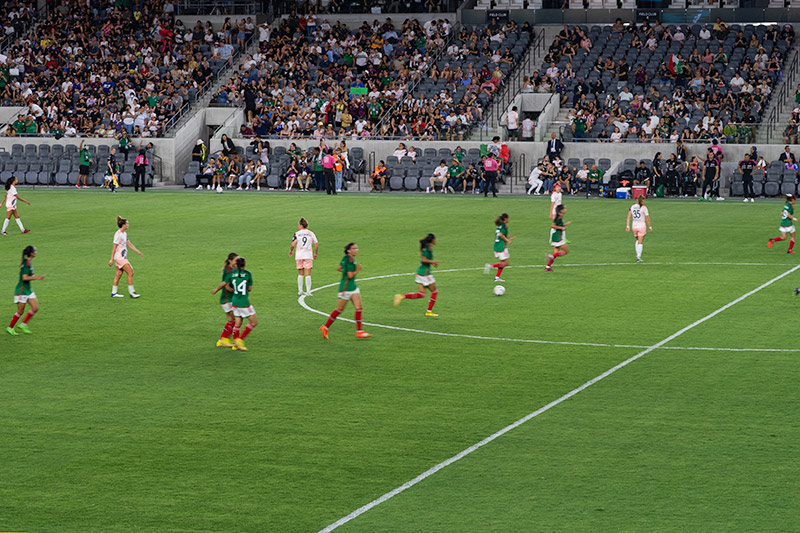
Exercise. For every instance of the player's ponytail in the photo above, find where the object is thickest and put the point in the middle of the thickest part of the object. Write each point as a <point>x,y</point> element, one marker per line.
<point>424,242</point>
<point>10,182</point>
<point>502,218</point>
<point>121,221</point>
<point>303,222</point>
<point>240,263</point>
<point>640,201</point>
<point>26,253</point>
<point>231,257</point>
<point>347,248</point>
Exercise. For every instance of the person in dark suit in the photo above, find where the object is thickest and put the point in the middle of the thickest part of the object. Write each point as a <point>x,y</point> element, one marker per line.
<point>554,147</point>
<point>786,154</point>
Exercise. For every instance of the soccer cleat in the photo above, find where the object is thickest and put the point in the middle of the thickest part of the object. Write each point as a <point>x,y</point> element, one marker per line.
<point>487,268</point>
<point>301,293</point>
<point>224,341</point>
<point>797,291</point>
<point>790,251</point>
<point>548,269</point>
<point>397,299</point>
<point>638,259</point>
<point>324,331</point>
<point>26,231</point>
<point>769,244</point>
<point>430,313</point>
<point>498,280</point>
<point>24,328</point>
<point>363,334</point>
<point>117,295</point>
<point>4,233</point>
<point>134,295</point>
<point>11,331</point>
<point>239,345</point>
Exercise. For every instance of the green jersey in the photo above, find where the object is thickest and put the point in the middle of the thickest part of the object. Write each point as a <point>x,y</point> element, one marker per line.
<point>241,281</point>
<point>425,268</point>
<point>557,235</point>
<point>347,284</point>
<point>455,170</point>
<point>500,244</point>
<point>86,157</point>
<point>225,295</point>
<point>24,287</point>
<point>786,215</point>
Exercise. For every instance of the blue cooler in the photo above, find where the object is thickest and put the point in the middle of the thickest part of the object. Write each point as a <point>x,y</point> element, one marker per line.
<point>624,193</point>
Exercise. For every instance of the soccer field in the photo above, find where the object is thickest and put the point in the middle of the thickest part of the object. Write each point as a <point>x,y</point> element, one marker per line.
<point>121,414</point>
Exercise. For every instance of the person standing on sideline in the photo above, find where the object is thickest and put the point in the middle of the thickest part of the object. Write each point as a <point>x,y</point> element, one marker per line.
<point>305,248</point>
<point>119,257</point>
<point>424,278</point>
<point>10,199</point>
<point>640,215</point>
<point>710,176</point>
<point>787,224</point>
<point>490,167</point>
<point>348,291</point>
<point>199,152</point>
<point>139,169</point>
<point>23,294</point>
<point>328,162</point>
<point>746,167</point>
<point>512,124</point>
<point>554,147</point>
<point>85,166</point>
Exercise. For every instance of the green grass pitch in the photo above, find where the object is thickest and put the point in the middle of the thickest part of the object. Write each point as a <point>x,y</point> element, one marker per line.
<point>122,415</point>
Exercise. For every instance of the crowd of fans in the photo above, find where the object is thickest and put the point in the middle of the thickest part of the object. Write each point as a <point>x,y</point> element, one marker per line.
<point>105,67</point>
<point>655,83</point>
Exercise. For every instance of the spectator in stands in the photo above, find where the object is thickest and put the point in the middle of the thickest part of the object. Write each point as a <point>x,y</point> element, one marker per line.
<point>439,176</point>
<point>456,174</point>
<point>595,178</point>
<point>790,133</point>
<point>512,122</point>
<point>528,127</point>
<point>534,179</point>
<point>786,154</point>
<point>378,174</point>
<point>642,175</point>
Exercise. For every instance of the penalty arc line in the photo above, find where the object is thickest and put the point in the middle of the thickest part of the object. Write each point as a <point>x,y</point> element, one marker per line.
<point>408,484</point>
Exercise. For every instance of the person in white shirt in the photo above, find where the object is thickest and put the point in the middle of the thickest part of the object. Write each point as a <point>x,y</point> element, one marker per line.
<point>305,248</point>
<point>439,175</point>
<point>640,215</point>
<point>555,200</point>
<point>582,176</point>
<point>625,95</point>
<point>528,126</point>
<point>737,81</point>
<point>535,181</point>
<point>552,72</point>
<point>10,198</point>
<point>704,34</point>
<point>512,122</point>
<point>401,152</point>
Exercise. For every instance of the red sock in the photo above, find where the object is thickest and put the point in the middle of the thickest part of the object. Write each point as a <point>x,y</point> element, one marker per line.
<point>247,329</point>
<point>559,253</point>
<point>359,326</point>
<point>331,318</point>
<point>499,271</point>
<point>414,295</point>
<point>776,239</point>
<point>14,320</point>
<point>235,332</point>
<point>550,261</point>
<point>791,245</point>
<point>31,313</point>
<point>226,331</point>
<point>497,265</point>
<point>432,301</point>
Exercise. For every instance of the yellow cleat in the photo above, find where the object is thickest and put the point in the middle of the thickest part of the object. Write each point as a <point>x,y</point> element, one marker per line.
<point>430,313</point>
<point>363,335</point>
<point>239,345</point>
<point>324,331</point>
<point>397,299</point>
<point>223,341</point>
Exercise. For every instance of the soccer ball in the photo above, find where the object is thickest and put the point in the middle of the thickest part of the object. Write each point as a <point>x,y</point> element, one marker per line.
<point>219,188</point>
<point>499,290</point>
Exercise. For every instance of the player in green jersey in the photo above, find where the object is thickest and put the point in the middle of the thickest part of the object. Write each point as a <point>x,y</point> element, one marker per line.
<point>240,283</point>
<point>23,293</point>
<point>558,237</point>
<point>225,300</point>
<point>501,242</point>
<point>348,291</point>
<point>424,278</point>
<point>787,224</point>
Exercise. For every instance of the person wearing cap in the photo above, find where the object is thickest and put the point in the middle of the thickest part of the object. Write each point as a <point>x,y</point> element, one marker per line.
<point>199,151</point>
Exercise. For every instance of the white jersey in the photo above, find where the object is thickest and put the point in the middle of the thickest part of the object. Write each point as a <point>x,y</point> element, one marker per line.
<point>121,240</point>
<point>11,198</point>
<point>555,201</point>
<point>638,214</point>
<point>305,240</point>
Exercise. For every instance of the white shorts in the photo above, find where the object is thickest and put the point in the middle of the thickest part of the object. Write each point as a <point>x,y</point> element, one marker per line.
<point>304,263</point>
<point>502,256</point>
<point>243,312</point>
<point>639,229</point>
<point>786,229</point>
<point>347,295</point>
<point>121,262</point>
<point>425,280</point>
<point>227,307</point>
<point>23,298</point>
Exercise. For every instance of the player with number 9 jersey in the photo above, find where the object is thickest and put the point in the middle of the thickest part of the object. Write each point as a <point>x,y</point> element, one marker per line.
<point>305,248</point>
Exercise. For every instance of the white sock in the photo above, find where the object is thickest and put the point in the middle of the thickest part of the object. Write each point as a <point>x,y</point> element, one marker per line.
<point>5,225</point>
<point>19,223</point>
<point>639,250</point>
<point>114,289</point>
<point>308,283</point>
<point>300,283</point>
<point>130,290</point>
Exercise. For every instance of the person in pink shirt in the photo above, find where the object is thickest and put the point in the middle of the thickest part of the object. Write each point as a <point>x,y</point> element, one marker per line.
<point>328,162</point>
<point>490,167</point>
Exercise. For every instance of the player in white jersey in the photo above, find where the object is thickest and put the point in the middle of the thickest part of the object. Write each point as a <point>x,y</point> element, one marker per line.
<point>305,248</point>
<point>10,200</point>
<point>555,200</point>
<point>119,257</point>
<point>640,215</point>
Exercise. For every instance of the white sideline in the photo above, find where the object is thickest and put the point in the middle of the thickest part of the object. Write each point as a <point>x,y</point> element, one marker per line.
<point>408,484</point>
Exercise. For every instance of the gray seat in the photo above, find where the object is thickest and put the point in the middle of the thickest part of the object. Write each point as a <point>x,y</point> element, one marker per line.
<point>98,178</point>
<point>737,188</point>
<point>126,179</point>
<point>31,177</point>
<point>396,183</point>
<point>788,188</point>
<point>604,164</point>
<point>190,179</point>
<point>771,188</point>
<point>274,181</point>
<point>411,183</point>
<point>62,178</point>
<point>44,177</point>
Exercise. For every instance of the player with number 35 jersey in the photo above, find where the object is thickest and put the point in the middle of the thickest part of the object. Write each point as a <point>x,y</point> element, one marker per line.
<point>641,221</point>
<point>305,248</point>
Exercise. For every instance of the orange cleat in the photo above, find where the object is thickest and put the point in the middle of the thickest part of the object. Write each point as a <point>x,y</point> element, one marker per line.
<point>769,244</point>
<point>362,335</point>
<point>324,331</point>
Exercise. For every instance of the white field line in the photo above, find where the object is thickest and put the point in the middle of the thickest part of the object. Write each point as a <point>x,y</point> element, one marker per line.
<point>408,484</point>
<point>302,301</point>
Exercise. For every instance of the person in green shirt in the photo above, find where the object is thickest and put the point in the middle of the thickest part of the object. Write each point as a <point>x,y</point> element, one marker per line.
<point>85,165</point>
<point>348,291</point>
<point>240,282</point>
<point>456,174</point>
<point>558,237</point>
<point>23,294</point>
<point>225,300</point>
<point>501,242</point>
<point>787,224</point>
<point>595,178</point>
<point>424,278</point>
<point>19,125</point>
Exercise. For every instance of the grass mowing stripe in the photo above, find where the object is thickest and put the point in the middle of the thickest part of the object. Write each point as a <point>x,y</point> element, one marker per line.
<point>408,484</point>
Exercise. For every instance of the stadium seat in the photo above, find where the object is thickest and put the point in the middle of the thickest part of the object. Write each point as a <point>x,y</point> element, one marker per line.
<point>788,188</point>
<point>126,179</point>
<point>411,183</point>
<point>190,179</point>
<point>274,181</point>
<point>737,188</point>
<point>396,183</point>
<point>31,178</point>
<point>771,188</point>
<point>61,178</point>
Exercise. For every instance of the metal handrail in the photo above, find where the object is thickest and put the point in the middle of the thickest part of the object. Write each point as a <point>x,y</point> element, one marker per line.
<point>219,131</point>
<point>566,125</point>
